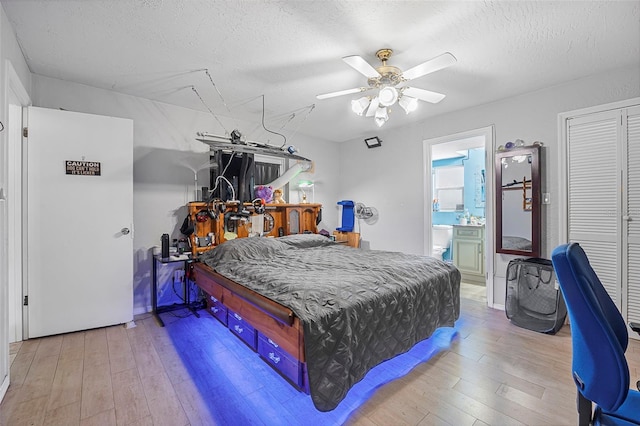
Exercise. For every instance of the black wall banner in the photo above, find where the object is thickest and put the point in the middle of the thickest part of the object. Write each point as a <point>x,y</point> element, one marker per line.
<point>85,168</point>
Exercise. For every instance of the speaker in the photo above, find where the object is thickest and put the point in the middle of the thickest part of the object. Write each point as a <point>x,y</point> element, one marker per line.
<point>165,246</point>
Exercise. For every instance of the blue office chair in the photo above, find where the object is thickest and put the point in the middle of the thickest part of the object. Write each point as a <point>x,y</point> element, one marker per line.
<point>599,337</point>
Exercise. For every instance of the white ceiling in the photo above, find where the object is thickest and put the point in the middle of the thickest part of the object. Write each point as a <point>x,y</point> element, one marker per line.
<point>290,51</point>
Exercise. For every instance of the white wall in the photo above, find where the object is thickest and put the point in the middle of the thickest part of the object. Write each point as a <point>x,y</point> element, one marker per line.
<point>390,177</point>
<point>164,141</point>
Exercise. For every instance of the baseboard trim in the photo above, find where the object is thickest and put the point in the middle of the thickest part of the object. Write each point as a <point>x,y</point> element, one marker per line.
<point>142,310</point>
<point>4,387</point>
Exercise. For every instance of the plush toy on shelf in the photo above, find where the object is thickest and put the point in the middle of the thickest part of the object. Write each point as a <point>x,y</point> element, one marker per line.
<point>264,192</point>
<point>277,197</point>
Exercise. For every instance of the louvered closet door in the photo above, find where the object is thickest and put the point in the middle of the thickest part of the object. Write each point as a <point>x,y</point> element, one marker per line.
<point>631,266</point>
<point>594,196</point>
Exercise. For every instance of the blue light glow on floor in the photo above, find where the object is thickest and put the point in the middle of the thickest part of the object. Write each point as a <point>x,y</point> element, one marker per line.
<point>237,387</point>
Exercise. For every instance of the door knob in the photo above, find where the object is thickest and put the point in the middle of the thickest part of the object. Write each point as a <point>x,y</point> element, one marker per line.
<point>125,231</point>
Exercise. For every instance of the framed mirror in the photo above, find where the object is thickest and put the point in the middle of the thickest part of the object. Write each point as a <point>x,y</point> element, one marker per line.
<point>518,201</point>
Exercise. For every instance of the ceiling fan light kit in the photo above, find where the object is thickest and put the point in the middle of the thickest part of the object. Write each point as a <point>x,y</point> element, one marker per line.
<point>359,106</point>
<point>385,78</point>
<point>388,96</point>
<point>381,116</point>
<point>408,104</point>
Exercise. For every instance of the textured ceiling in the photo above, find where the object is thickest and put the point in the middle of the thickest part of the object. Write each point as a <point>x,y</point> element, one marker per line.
<point>290,51</point>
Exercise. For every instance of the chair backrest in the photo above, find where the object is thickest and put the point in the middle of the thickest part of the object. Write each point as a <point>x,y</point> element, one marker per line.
<point>598,331</point>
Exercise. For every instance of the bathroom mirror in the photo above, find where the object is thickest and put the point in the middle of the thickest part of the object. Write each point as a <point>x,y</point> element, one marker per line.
<point>518,201</point>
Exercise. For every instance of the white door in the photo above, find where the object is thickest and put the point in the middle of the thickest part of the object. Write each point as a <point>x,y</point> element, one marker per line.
<point>603,158</point>
<point>4,288</point>
<point>79,244</point>
<point>631,215</point>
<point>594,196</point>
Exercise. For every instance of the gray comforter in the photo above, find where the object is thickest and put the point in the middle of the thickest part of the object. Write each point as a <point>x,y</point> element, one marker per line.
<point>358,307</point>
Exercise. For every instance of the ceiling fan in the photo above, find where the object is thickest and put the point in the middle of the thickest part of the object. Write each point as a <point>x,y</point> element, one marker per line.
<point>386,78</point>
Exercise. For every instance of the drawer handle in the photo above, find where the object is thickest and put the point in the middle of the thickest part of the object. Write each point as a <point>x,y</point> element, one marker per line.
<point>215,310</point>
<point>214,299</point>
<point>238,329</point>
<point>274,358</point>
<point>274,344</point>
<point>238,317</point>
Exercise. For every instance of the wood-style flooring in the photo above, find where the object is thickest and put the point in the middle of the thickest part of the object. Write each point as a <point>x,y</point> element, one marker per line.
<point>493,373</point>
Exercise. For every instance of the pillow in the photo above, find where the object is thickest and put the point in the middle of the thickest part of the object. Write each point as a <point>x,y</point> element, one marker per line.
<point>306,240</point>
<point>244,248</point>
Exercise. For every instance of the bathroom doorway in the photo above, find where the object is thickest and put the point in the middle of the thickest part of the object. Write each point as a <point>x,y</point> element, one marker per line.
<point>458,171</point>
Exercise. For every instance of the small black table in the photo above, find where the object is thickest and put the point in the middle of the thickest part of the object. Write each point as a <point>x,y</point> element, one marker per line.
<point>158,260</point>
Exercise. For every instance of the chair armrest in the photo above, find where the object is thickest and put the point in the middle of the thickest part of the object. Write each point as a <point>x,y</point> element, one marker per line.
<point>635,327</point>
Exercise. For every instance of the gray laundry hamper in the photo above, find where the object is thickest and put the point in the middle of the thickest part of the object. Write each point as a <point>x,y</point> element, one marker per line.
<point>534,300</point>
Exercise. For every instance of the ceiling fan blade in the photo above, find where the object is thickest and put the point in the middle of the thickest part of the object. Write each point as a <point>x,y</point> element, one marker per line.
<point>363,67</point>
<point>342,92</point>
<point>432,65</point>
<point>423,95</point>
<point>373,107</point>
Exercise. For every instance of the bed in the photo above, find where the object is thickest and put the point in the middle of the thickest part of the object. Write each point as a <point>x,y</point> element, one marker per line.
<point>516,243</point>
<point>322,313</point>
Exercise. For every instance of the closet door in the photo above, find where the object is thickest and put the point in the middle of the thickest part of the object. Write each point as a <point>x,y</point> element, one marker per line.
<point>630,120</point>
<point>594,195</point>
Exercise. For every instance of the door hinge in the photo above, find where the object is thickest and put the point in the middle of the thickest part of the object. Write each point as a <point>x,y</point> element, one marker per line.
<point>26,301</point>
<point>25,132</point>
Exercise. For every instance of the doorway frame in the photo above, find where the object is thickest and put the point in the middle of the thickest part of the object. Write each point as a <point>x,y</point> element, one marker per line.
<point>11,240</point>
<point>16,207</point>
<point>488,133</point>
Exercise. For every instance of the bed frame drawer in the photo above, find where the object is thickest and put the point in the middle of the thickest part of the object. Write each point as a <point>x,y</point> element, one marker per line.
<point>280,360</point>
<point>242,329</point>
<point>209,286</point>
<point>217,309</point>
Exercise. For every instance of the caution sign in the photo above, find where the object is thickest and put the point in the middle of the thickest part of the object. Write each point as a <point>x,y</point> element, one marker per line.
<point>85,168</point>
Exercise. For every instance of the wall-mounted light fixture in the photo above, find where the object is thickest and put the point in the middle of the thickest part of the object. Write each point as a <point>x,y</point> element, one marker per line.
<point>373,142</point>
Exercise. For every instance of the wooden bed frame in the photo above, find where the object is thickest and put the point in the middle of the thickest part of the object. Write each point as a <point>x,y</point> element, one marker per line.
<point>277,334</point>
<point>265,326</point>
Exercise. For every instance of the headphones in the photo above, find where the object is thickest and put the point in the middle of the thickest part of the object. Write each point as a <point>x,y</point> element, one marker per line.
<point>258,205</point>
<point>203,216</point>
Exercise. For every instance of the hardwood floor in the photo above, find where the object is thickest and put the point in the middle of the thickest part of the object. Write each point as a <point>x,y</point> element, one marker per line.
<point>491,373</point>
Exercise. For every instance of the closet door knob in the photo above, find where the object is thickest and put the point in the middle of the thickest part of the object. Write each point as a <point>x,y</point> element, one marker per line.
<point>125,231</point>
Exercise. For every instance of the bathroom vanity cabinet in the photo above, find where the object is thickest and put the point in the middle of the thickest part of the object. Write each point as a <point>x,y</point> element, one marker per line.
<point>468,252</point>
